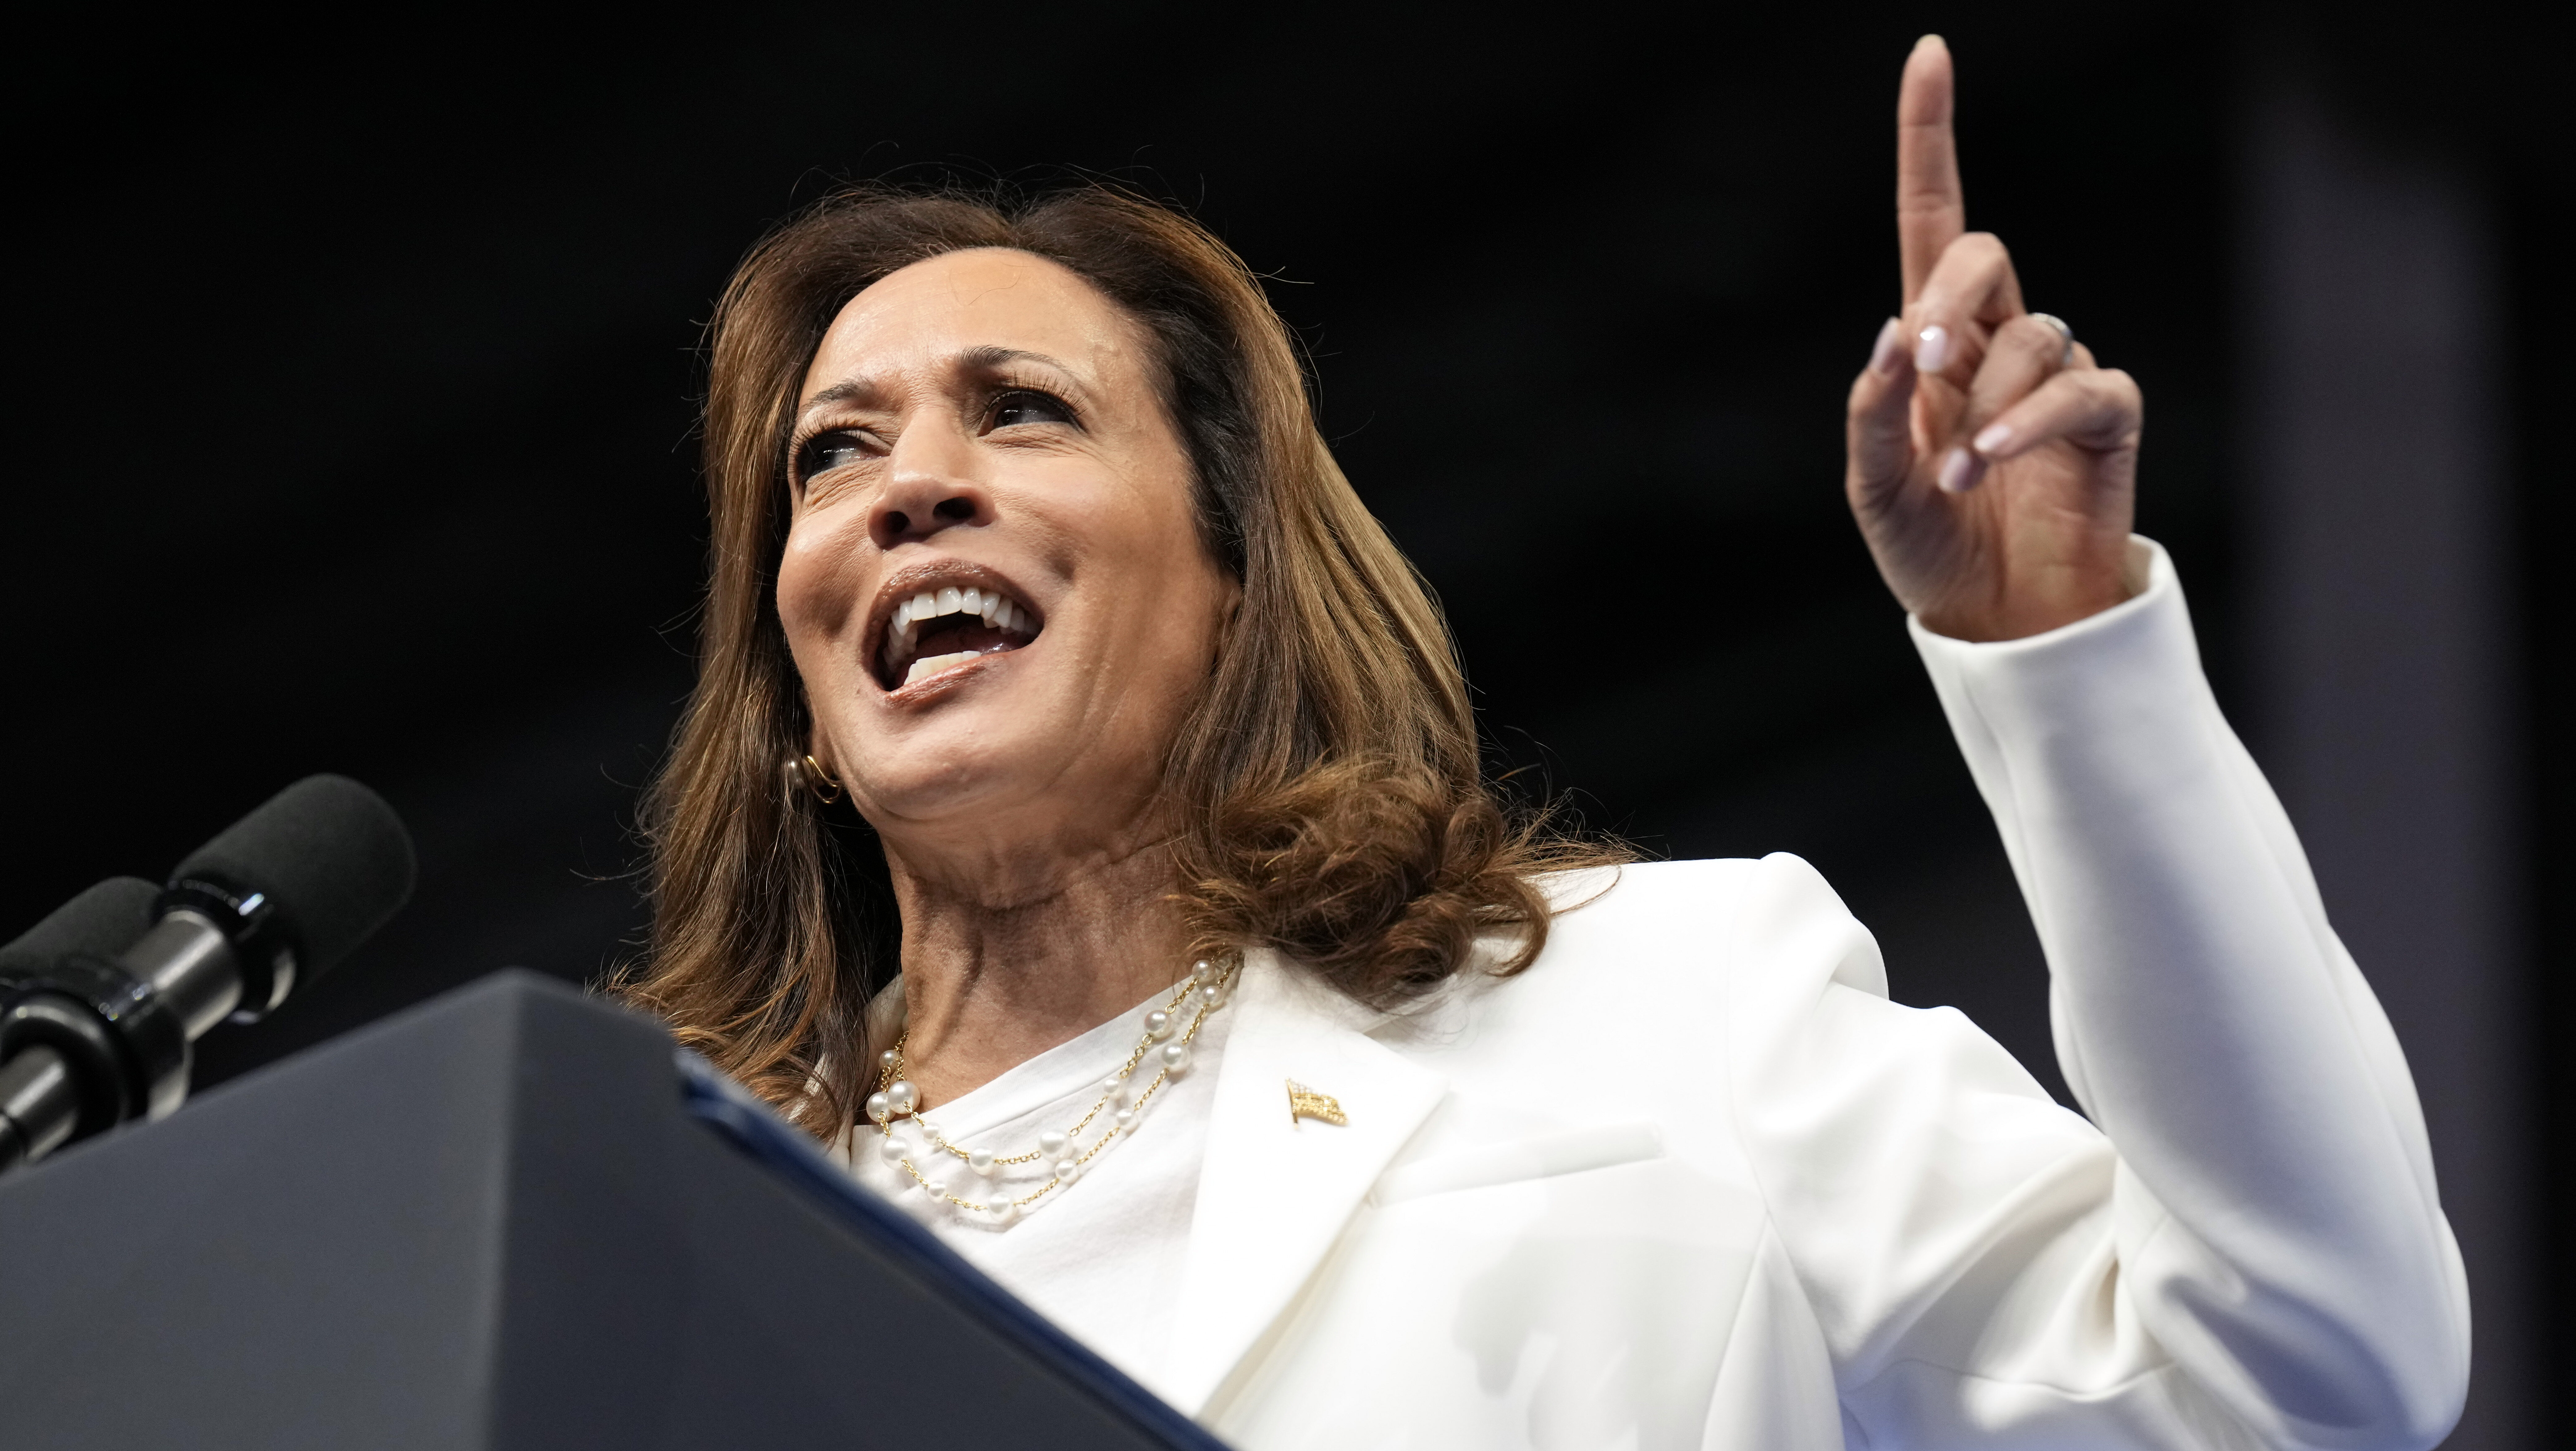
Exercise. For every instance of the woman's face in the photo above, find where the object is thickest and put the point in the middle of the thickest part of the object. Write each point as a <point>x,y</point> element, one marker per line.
<point>994,586</point>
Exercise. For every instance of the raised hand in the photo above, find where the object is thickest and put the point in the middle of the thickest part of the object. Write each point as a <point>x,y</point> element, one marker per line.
<point>1993,468</point>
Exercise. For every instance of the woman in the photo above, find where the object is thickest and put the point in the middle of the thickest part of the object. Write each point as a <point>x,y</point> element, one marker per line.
<point>1242,1030</point>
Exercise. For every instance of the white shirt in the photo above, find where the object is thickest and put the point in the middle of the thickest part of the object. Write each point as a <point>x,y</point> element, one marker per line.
<point>1101,1256</point>
<point>1693,1181</point>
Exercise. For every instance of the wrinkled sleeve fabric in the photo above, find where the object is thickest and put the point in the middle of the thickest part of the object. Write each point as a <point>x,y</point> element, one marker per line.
<point>2244,1247</point>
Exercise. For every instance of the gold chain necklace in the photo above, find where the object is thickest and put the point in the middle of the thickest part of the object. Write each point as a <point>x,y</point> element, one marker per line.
<point>897,1098</point>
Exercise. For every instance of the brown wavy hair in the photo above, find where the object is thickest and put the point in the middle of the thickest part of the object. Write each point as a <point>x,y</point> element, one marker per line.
<point>1327,787</point>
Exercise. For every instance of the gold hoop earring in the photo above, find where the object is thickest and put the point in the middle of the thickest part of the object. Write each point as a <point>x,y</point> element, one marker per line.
<point>810,775</point>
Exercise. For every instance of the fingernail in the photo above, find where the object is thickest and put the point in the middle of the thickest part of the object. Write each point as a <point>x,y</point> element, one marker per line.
<point>1958,472</point>
<point>1932,349</point>
<point>1889,350</point>
<point>1996,435</point>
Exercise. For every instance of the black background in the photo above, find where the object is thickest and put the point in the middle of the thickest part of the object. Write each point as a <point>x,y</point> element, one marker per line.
<point>353,418</point>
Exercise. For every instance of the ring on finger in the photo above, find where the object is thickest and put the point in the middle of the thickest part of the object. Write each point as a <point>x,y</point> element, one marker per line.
<point>2065,334</point>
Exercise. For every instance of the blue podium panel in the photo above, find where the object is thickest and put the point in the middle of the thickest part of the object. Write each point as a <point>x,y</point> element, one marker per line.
<point>507,1219</point>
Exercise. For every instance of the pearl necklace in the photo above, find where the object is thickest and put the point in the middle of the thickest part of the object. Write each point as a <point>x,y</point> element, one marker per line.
<point>1063,1152</point>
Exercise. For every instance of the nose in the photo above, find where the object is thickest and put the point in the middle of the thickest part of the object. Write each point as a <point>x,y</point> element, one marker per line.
<point>928,488</point>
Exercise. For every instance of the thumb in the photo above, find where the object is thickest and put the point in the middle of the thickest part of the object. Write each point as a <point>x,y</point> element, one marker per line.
<point>1879,429</point>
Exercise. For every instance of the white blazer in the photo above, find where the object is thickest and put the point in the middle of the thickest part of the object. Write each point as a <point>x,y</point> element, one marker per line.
<point>1692,1180</point>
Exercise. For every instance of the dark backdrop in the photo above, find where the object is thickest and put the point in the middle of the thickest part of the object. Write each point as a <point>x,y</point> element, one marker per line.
<point>354,410</point>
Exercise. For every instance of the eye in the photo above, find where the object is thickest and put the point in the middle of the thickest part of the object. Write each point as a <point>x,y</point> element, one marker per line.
<point>1027,405</point>
<point>825,452</point>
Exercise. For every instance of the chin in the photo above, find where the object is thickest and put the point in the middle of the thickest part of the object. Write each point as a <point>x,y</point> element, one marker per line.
<point>935,785</point>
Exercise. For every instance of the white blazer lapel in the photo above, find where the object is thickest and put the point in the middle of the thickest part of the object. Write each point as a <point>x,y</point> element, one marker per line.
<point>1276,1191</point>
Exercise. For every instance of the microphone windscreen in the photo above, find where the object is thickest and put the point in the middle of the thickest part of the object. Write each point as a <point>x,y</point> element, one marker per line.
<point>332,857</point>
<point>103,921</point>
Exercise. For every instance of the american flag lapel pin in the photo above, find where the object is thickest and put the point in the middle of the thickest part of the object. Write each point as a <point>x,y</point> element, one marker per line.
<point>1304,1102</point>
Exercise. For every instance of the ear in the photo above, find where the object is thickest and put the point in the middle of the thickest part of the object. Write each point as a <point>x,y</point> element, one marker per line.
<point>1229,613</point>
<point>816,749</point>
<point>801,706</point>
<point>821,755</point>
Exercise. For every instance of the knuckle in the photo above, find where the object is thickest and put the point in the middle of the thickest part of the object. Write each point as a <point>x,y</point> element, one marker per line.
<point>2029,334</point>
<point>1988,250</point>
<point>1969,254</point>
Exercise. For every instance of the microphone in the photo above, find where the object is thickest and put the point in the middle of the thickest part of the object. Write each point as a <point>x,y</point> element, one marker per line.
<point>36,1085</point>
<point>261,911</point>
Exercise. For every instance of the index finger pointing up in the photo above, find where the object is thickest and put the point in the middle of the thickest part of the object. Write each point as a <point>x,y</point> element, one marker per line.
<point>1930,211</point>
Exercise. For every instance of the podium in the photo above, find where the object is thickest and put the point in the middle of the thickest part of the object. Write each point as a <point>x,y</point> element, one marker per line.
<point>510,1218</point>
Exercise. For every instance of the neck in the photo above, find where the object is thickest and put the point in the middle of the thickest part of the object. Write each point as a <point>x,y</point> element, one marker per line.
<point>994,975</point>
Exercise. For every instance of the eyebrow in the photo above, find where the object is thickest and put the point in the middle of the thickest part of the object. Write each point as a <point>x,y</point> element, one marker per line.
<point>983,359</point>
<point>989,357</point>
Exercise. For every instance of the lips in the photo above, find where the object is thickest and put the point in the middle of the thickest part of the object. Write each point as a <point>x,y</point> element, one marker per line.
<point>940,626</point>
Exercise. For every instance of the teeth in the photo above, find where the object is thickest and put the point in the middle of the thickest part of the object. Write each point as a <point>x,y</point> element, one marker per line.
<point>929,665</point>
<point>996,609</point>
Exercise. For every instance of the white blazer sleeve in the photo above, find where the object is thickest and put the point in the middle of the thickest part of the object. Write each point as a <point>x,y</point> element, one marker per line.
<point>2274,1233</point>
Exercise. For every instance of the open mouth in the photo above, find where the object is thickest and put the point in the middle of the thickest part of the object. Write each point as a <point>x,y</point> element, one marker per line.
<point>938,630</point>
